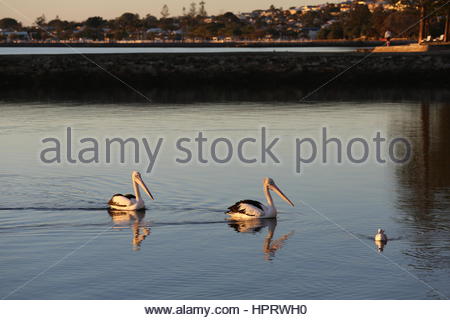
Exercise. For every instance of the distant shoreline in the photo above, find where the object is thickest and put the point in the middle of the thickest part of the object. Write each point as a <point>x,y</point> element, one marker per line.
<point>248,44</point>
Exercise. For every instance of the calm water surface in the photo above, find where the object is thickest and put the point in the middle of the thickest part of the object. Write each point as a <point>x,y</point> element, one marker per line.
<point>55,230</point>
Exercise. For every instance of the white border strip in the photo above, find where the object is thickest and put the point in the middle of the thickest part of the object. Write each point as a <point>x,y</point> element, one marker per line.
<point>315,309</point>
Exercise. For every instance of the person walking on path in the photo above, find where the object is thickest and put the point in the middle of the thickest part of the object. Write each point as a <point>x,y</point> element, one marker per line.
<point>388,36</point>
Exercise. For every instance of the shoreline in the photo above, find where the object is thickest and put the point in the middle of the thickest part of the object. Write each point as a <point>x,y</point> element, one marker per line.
<point>231,44</point>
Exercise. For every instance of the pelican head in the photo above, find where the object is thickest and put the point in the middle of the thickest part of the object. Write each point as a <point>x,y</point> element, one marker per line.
<point>270,184</point>
<point>136,177</point>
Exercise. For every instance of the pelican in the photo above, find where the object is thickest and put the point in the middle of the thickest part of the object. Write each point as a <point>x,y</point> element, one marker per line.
<point>380,236</point>
<point>251,209</point>
<point>380,240</point>
<point>130,202</point>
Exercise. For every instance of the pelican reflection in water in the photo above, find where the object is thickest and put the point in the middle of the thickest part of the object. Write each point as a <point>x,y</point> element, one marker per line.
<point>133,219</point>
<point>270,246</point>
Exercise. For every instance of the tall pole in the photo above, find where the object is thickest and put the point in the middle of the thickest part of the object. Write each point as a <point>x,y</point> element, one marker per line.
<point>422,23</point>
<point>447,27</point>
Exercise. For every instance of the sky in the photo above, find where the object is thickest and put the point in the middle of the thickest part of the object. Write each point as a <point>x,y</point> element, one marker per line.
<point>26,11</point>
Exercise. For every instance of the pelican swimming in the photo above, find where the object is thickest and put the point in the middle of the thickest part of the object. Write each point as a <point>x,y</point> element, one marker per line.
<point>127,202</point>
<point>380,240</point>
<point>380,236</point>
<point>251,209</point>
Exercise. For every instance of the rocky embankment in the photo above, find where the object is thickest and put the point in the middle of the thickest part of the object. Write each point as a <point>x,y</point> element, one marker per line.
<point>224,68</point>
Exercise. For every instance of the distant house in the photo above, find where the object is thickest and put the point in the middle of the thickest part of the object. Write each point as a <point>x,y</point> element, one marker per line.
<point>244,16</point>
<point>311,32</point>
<point>178,32</point>
<point>11,36</point>
<point>155,30</point>
<point>256,13</point>
<point>79,29</point>
<point>310,8</point>
<point>217,39</point>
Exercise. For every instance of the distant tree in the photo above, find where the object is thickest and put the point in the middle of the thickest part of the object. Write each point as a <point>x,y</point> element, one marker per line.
<point>358,22</point>
<point>332,32</point>
<point>40,21</point>
<point>56,24</point>
<point>425,8</point>
<point>311,19</point>
<point>128,21</point>
<point>323,33</point>
<point>91,33</point>
<point>150,21</point>
<point>336,31</point>
<point>119,34</point>
<point>193,10</point>
<point>9,23</point>
<point>184,11</point>
<point>379,16</point>
<point>229,17</point>
<point>402,24</point>
<point>168,24</point>
<point>165,12</point>
<point>126,26</point>
<point>95,22</point>
<point>202,10</point>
